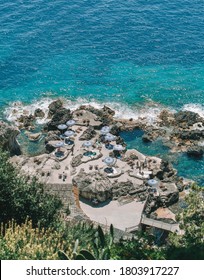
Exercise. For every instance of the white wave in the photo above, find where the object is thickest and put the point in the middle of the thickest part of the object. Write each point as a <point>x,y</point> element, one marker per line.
<point>16,109</point>
<point>147,112</point>
<point>196,108</point>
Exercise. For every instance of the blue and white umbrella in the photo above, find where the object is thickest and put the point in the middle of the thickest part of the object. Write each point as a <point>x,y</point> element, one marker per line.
<point>70,122</point>
<point>110,137</point>
<point>109,160</point>
<point>58,144</point>
<point>69,133</point>
<point>104,130</point>
<point>152,182</point>
<point>87,144</point>
<point>62,126</point>
<point>118,147</point>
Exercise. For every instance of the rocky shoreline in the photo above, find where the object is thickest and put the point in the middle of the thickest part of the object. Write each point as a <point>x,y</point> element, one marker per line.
<point>181,132</point>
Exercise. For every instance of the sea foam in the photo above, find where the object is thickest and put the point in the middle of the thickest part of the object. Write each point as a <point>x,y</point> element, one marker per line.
<point>196,108</point>
<point>148,112</point>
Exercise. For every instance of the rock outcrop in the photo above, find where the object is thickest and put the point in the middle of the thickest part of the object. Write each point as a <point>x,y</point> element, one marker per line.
<point>166,173</point>
<point>76,161</point>
<point>128,188</point>
<point>34,137</point>
<point>93,186</point>
<point>61,116</point>
<point>26,122</point>
<point>39,113</point>
<point>195,151</point>
<point>8,140</point>
<point>88,134</point>
<point>169,195</point>
<point>186,119</point>
<point>105,114</point>
<point>54,106</point>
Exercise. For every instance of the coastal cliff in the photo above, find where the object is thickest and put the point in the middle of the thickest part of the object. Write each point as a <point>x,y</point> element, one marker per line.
<point>8,141</point>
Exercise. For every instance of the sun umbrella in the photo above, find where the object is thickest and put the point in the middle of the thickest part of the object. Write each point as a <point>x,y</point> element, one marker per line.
<point>70,123</point>
<point>69,133</point>
<point>59,144</point>
<point>104,130</point>
<point>152,182</point>
<point>109,160</point>
<point>118,147</point>
<point>62,126</point>
<point>109,137</point>
<point>87,144</point>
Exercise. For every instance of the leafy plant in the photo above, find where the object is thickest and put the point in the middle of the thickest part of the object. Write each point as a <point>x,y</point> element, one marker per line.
<point>21,198</point>
<point>190,243</point>
<point>101,247</point>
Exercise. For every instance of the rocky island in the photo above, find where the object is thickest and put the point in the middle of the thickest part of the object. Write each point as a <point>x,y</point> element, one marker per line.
<point>87,164</point>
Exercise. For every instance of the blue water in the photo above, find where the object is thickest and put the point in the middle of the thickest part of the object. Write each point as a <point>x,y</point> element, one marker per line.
<point>128,52</point>
<point>187,167</point>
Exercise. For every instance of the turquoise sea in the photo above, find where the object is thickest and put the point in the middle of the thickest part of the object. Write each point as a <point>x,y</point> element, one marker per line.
<point>130,54</point>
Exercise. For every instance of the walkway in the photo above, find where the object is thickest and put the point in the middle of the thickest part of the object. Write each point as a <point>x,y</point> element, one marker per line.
<point>160,224</point>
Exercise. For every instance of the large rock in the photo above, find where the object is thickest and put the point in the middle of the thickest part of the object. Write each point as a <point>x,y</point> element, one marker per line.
<point>34,137</point>
<point>169,196</point>
<point>88,134</point>
<point>186,119</point>
<point>61,116</point>
<point>166,172</point>
<point>54,106</point>
<point>26,122</point>
<point>120,189</point>
<point>52,136</point>
<point>166,118</point>
<point>39,113</point>
<point>8,140</point>
<point>105,114</point>
<point>93,185</point>
<point>76,161</point>
<point>115,129</point>
<point>190,134</point>
<point>108,111</point>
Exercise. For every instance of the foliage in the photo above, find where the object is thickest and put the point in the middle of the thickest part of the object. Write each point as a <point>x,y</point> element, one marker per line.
<point>141,247</point>
<point>189,245</point>
<point>21,198</point>
<point>23,242</point>
<point>100,247</point>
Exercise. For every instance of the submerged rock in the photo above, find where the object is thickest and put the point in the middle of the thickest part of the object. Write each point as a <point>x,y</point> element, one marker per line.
<point>195,151</point>
<point>147,138</point>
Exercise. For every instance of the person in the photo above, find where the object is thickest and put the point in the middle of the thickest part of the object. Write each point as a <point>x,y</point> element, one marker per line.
<point>72,149</point>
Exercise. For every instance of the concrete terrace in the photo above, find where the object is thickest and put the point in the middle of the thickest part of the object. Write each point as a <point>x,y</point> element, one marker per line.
<point>58,173</point>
